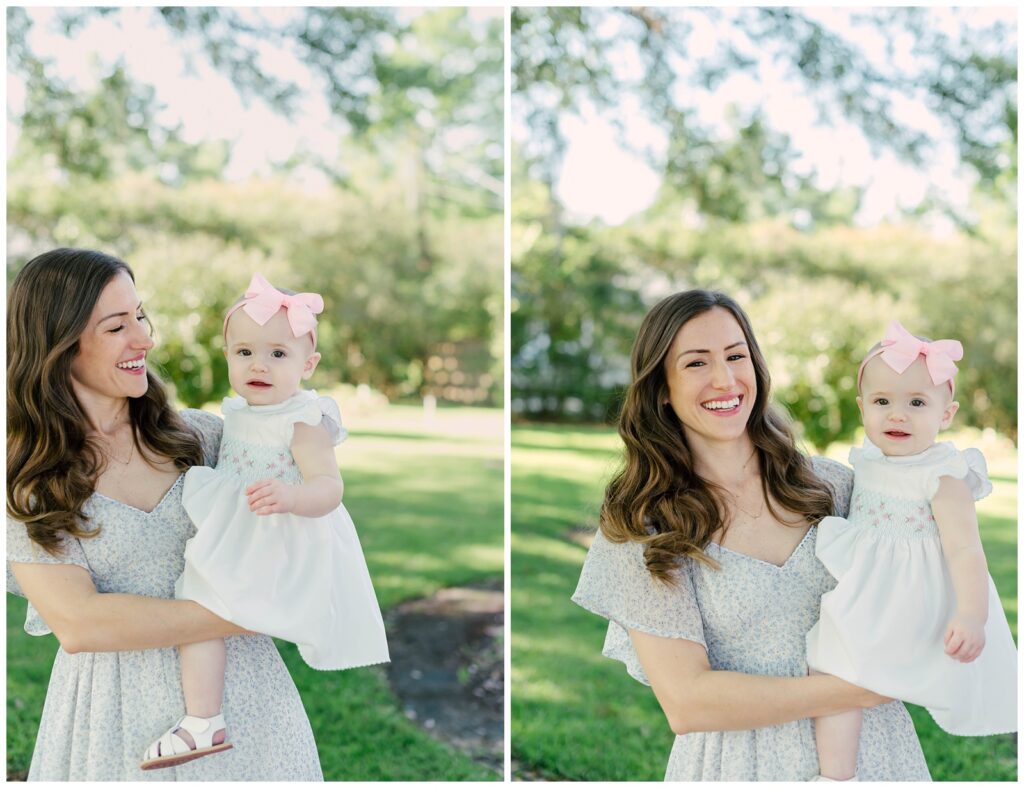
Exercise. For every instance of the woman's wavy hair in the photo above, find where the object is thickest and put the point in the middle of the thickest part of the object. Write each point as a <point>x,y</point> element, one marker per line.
<point>658,498</point>
<point>52,463</point>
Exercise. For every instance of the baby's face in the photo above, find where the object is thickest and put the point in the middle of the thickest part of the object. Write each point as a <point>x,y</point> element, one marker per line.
<point>266,363</point>
<point>903,414</point>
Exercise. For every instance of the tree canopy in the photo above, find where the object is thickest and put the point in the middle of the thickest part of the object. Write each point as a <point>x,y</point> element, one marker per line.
<point>568,57</point>
<point>402,237</point>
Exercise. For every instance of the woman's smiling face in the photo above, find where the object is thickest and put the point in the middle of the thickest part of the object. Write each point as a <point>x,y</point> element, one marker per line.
<point>111,358</point>
<point>710,376</point>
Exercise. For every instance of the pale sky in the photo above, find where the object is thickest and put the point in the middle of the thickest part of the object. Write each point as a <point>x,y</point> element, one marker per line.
<point>600,179</point>
<point>204,102</point>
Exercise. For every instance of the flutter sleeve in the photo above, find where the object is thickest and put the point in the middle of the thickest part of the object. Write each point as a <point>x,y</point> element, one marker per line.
<point>320,410</point>
<point>839,478</point>
<point>209,427</point>
<point>968,465</point>
<point>22,550</point>
<point>616,585</point>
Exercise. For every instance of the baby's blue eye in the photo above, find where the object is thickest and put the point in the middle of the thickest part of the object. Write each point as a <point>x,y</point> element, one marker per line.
<point>881,401</point>
<point>278,354</point>
<point>918,403</point>
<point>245,352</point>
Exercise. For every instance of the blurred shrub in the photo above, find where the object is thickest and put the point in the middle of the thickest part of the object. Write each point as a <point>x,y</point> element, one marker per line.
<point>394,286</point>
<point>818,300</point>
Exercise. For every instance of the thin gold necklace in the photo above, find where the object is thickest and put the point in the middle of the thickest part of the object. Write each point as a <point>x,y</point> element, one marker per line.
<point>751,515</point>
<point>131,451</point>
<point>736,498</point>
<point>111,456</point>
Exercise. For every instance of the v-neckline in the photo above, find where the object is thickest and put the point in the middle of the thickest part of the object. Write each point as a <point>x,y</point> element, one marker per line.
<point>783,565</point>
<point>143,511</point>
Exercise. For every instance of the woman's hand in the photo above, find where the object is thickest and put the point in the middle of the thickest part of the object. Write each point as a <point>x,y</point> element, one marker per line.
<point>272,496</point>
<point>965,638</point>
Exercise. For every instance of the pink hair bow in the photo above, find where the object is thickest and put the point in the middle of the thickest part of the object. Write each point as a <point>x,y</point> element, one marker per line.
<point>263,300</point>
<point>899,349</point>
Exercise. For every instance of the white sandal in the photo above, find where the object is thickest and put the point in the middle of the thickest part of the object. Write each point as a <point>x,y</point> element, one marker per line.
<point>172,750</point>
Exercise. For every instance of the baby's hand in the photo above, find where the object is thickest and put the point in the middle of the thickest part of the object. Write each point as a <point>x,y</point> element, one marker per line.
<point>965,638</point>
<point>271,496</point>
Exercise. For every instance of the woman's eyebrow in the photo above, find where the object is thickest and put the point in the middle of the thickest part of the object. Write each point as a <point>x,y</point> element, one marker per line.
<point>119,314</point>
<point>729,347</point>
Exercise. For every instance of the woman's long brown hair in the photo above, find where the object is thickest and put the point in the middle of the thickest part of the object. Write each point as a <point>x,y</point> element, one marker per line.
<point>658,498</point>
<point>52,464</point>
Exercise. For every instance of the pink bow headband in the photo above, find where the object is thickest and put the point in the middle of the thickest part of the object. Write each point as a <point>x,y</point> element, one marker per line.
<point>262,301</point>
<point>899,349</point>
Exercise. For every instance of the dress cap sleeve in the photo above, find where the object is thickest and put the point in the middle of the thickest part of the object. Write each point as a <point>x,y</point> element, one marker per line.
<point>22,550</point>
<point>210,428</point>
<point>616,585</point>
<point>317,410</point>
<point>968,465</point>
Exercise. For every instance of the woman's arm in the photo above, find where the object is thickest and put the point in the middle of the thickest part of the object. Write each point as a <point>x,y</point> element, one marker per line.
<point>321,488</point>
<point>85,620</point>
<point>696,698</point>
<point>953,508</point>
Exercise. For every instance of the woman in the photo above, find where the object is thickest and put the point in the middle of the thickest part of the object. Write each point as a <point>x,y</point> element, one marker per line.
<point>705,565</point>
<point>96,534</point>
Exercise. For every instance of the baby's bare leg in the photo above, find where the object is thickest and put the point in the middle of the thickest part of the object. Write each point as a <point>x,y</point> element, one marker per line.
<point>838,737</point>
<point>202,677</point>
<point>202,682</point>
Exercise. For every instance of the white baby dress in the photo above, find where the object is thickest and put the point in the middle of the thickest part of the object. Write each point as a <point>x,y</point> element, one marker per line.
<point>882,626</point>
<point>303,579</point>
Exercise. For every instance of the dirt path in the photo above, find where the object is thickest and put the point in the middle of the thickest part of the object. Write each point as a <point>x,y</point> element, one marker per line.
<point>447,667</point>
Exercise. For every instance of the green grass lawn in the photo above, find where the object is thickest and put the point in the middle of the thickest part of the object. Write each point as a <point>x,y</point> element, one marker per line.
<point>569,703</point>
<point>427,498</point>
